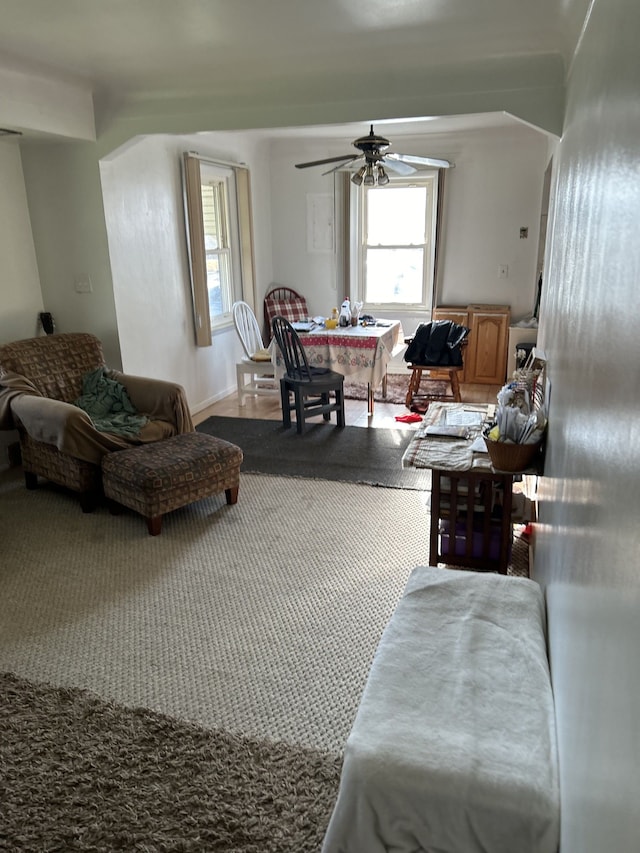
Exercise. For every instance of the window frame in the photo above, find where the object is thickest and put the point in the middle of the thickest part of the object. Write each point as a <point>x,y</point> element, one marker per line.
<point>219,186</point>
<point>234,196</point>
<point>428,179</point>
<point>222,180</point>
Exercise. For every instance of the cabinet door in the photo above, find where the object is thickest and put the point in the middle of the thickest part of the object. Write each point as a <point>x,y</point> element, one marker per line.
<point>488,345</point>
<point>459,315</point>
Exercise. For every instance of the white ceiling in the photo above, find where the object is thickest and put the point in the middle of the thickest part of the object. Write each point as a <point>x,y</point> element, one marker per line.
<point>166,46</point>
<point>150,50</point>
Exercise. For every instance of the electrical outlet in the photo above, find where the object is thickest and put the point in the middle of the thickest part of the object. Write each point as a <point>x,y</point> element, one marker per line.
<point>503,271</point>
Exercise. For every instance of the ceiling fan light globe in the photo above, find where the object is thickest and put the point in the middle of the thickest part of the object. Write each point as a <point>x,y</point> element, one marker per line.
<point>383,178</point>
<point>359,175</point>
<point>369,178</point>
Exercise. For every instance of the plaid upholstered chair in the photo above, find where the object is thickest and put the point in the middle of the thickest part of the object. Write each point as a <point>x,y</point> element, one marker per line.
<point>40,378</point>
<point>283,302</point>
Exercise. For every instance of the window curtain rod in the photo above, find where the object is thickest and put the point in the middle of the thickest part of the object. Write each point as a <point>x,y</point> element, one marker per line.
<point>211,162</point>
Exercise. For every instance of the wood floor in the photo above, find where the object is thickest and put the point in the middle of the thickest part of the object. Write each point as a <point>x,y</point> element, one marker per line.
<point>384,414</point>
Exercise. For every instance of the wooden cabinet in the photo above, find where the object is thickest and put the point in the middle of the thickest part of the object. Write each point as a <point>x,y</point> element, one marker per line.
<point>485,358</point>
<point>488,343</point>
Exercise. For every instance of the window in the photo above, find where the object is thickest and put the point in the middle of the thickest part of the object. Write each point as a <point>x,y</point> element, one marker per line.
<point>220,241</point>
<point>215,218</point>
<point>396,246</point>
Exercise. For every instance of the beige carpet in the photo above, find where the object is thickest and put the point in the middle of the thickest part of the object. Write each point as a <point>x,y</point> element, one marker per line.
<point>261,618</point>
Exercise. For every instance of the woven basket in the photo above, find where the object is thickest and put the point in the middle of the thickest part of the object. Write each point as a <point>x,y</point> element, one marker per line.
<point>511,457</point>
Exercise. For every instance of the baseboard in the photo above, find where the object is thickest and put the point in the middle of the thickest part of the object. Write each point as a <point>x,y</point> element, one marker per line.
<point>200,412</point>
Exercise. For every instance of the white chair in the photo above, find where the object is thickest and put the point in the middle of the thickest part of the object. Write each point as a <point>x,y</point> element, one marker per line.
<point>256,364</point>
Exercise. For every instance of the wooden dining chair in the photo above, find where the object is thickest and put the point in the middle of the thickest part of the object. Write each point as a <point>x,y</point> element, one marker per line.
<point>284,302</point>
<point>311,387</point>
<point>429,378</point>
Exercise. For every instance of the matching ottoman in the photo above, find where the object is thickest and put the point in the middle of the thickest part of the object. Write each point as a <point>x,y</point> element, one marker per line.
<point>156,478</point>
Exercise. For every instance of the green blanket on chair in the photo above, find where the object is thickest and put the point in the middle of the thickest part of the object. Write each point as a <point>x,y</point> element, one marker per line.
<point>108,405</point>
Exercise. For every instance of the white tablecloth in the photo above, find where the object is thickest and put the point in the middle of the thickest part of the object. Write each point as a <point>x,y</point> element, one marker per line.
<point>361,352</point>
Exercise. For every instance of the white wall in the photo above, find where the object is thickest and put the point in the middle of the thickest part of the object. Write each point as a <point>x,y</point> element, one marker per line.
<point>588,539</point>
<point>143,202</point>
<point>67,219</point>
<point>316,275</point>
<point>20,296</point>
<point>494,190</point>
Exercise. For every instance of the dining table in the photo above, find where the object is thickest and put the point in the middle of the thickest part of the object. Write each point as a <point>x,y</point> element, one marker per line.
<point>360,352</point>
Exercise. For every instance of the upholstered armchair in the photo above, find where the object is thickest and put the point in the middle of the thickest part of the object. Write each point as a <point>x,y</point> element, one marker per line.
<point>41,378</point>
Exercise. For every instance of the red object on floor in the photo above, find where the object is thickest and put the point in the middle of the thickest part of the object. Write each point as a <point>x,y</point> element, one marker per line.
<point>526,533</point>
<point>409,419</point>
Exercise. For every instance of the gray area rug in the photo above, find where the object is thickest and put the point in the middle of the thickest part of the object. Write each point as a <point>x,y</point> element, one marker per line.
<point>81,774</point>
<point>323,451</point>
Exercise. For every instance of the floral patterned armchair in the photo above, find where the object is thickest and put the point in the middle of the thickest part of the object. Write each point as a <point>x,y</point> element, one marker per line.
<point>40,378</point>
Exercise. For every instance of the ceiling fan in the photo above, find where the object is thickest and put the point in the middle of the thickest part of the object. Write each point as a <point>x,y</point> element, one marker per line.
<point>374,156</point>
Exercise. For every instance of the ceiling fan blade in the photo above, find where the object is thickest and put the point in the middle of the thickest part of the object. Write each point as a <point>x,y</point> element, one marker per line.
<point>351,163</point>
<point>345,158</point>
<point>434,162</point>
<point>398,167</point>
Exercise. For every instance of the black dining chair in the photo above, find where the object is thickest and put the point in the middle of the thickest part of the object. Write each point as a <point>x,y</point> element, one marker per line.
<point>311,387</point>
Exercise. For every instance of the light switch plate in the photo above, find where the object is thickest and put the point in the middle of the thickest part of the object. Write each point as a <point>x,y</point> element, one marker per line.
<point>83,285</point>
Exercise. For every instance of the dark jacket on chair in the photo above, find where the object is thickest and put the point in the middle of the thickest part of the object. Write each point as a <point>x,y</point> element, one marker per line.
<point>437,343</point>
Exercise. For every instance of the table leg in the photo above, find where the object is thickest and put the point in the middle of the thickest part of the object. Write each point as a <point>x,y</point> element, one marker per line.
<point>369,399</point>
<point>507,528</point>
<point>434,512</point>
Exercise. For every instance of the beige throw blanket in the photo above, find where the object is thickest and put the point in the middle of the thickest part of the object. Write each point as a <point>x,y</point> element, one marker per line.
<point>70,429</point>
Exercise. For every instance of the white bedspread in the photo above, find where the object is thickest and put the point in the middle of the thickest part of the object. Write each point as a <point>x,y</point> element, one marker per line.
<point>453,749</point>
